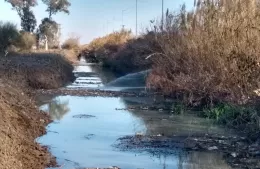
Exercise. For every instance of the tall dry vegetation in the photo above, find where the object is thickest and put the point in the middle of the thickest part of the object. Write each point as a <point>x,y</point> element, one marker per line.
<point>110,42</point>
<point>121,52</point>
<point>210,54</point>
<point>101,49</point>
<point>131,56</point>
<point>25,41</point>
<point>71,43</point>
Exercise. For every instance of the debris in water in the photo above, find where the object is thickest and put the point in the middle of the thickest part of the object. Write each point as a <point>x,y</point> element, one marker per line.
<point>83,116</point>
<point>89,136</point>
<point>49,131</point>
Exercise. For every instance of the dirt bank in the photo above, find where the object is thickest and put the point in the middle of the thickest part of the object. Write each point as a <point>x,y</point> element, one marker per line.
<point>21,121</point>
<point>37,70</point>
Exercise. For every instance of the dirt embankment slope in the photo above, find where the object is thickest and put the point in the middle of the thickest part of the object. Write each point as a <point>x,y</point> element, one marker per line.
<point>21,121</point>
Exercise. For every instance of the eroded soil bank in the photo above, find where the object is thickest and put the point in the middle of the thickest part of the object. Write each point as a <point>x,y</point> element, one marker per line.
<point>21,121</point>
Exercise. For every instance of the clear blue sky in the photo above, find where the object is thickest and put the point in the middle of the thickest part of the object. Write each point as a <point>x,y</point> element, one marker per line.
<point>93,18</point>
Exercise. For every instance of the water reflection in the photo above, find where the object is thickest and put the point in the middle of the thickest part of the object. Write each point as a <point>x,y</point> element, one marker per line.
<point>164,122</point>
<point>107,127</point>
<point>57,108</point>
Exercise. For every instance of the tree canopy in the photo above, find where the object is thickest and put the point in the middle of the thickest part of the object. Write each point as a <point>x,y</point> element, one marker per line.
<point>19,5</point>
<point>55,6</point>
<point>48,28</point>
<point>28,20</point>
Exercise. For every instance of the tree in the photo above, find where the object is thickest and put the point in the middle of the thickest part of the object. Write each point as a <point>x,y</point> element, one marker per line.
<point>19,5</point>
<point>55,6</point>
<point>48,31</point>
<point>57,109</point>
<point>28,21</point>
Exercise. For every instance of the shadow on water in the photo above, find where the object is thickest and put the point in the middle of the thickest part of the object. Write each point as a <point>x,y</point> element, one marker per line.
<point>88,142</point>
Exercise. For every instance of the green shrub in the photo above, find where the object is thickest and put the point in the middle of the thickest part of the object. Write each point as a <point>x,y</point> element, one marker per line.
<point>8,34</point>
<point>234,115</point>
<point>178,108</point>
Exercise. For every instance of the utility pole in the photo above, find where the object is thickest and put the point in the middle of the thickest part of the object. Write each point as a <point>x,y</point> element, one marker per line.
<point>162,13</point>
<point>136,17</point>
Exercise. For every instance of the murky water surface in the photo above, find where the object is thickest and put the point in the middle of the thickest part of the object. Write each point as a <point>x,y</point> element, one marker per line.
<point>85,129</point>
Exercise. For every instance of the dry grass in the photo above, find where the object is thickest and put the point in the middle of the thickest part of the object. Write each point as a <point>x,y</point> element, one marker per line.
<point>210,54</point>
<point>25,41</point>
<point>131,56</point>
<point>121,52</point>
<point>71,43</point>
<point>70,55</point>
<point>104,47</point>
<point>111,41</point>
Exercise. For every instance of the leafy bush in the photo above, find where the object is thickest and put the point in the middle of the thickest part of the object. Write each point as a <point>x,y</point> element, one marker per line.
<point>8,34</point>
<point>26,40</point>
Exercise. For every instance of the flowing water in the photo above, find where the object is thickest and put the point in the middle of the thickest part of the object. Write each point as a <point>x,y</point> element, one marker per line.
<point>86,128</point>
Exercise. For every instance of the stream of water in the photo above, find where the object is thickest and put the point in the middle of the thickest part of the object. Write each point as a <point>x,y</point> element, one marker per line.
<point>86,128</point>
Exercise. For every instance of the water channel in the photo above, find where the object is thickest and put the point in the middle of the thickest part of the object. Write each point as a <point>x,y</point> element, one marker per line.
<point>86,128</point>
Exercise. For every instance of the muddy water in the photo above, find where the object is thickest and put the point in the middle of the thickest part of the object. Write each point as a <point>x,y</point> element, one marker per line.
<point>86,128</point>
